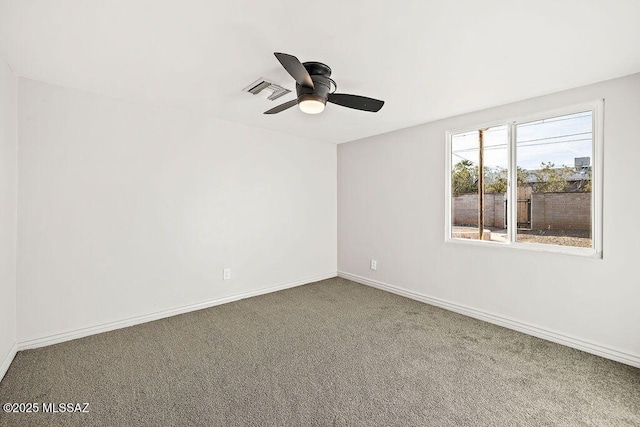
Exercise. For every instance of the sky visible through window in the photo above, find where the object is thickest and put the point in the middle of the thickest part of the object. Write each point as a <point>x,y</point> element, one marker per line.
<point>559,140</point>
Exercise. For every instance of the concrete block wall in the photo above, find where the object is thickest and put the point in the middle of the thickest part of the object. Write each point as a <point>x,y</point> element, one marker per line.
<point>570,211</point>
<point>465,210</point>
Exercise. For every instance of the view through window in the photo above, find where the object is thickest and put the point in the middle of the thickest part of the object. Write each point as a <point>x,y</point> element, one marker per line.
<point>551,163</point>
<point>480,198</point>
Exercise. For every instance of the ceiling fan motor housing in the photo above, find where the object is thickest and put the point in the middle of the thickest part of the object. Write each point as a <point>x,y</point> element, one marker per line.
<point>320,74</point>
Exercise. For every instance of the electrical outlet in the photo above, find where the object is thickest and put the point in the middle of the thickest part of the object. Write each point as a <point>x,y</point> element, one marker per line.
<point>226,274</point>
<point>374,264</point>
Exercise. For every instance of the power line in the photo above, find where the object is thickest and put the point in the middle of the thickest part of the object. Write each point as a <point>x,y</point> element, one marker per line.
<point>503,128</point>
<point>500,146</point>
<point>554,137</point>
<point>464,158</point>
<point>556,142</point>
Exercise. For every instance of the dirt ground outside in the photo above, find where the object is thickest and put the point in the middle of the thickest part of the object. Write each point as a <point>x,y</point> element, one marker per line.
<point>574,238</point>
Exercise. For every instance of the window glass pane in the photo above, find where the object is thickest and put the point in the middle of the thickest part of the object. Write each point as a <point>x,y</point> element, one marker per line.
<point>554,168</point>
<point>473,216</point>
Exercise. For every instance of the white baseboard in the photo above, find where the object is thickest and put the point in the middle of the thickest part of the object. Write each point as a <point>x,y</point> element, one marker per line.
<point>118,324</point>
<point>569,341</point>
<point>8,359</point>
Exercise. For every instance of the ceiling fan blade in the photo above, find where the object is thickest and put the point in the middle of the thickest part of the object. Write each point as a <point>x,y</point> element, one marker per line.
<point>295,68</point>
<point>282,107</point>
<point>356,102</point>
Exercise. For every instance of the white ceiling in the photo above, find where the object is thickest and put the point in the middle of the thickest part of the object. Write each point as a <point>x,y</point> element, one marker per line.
<point>426,59</point>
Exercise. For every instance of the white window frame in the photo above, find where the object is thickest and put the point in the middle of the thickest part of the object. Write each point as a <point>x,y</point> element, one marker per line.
<point>597,110</point>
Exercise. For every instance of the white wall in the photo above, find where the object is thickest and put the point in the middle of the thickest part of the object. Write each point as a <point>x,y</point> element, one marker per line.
<point>8,186</point>
<point>391,195</point>
<point>127,210</point>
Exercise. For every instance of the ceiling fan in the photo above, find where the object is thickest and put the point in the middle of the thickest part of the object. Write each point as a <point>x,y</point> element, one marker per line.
<point>315,88</point>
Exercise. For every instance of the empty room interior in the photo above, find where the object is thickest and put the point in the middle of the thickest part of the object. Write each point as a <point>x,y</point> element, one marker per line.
<point>333,214</point>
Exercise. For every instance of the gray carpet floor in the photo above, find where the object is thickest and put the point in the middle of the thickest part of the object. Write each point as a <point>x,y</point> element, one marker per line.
<point>331,353</point>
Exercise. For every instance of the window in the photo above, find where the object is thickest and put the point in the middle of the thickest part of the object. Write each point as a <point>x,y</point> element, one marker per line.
<point>529,183</point>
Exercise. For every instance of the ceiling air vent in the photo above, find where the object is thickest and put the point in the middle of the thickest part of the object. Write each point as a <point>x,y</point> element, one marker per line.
<point>266,88</point>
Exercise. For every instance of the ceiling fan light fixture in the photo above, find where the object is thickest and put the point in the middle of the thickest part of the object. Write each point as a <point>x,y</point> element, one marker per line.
<point>311,104</point>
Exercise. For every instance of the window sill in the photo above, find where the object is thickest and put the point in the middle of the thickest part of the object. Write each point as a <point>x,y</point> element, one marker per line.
<point>535,247</point>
